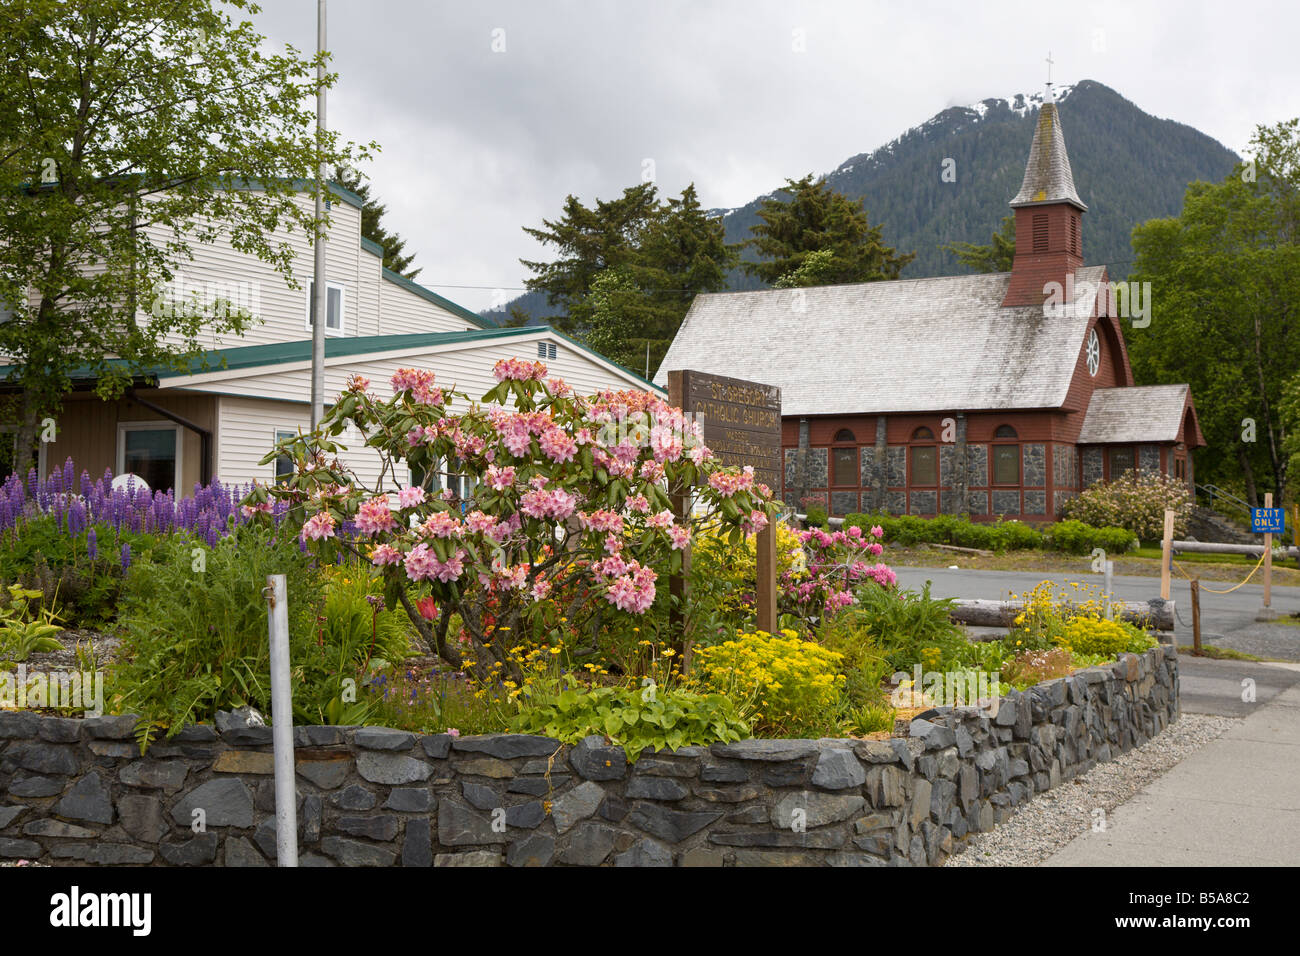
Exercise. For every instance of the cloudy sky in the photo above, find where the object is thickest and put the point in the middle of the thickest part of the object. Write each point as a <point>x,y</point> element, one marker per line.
<point>490,113</point>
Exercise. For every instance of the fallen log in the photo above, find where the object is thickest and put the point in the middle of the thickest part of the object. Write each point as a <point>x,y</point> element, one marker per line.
<point>1213,547</point>
<point>1155,614</point>
<point>953,547</point>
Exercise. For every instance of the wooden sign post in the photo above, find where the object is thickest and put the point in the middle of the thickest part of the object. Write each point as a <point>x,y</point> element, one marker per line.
<point>742,426</point>
<point>1268,556</point>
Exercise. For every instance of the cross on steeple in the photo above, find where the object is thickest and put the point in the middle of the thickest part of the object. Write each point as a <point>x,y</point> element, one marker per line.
<point>1049,75</point>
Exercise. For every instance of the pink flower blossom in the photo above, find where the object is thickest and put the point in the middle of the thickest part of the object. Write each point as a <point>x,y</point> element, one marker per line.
<point>663,519</point>
<point>638,504</point>
<point>513,368</point>
<point>556,503</point>
<point>440,524</point>
<point>373,516</point>
<point>680,535</point>
<point>602,520</point>
<point>541,590</point>
<point>410,496</point>
<point>382,554</point>
<point>877,531</point>
<point>477,522</point>
<point>557,445</point>
<point>634,591</point>
<point>501,478</point>
<point>318,527</point>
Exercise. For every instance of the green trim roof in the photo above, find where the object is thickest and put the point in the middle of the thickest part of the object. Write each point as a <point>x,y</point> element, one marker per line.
<point>430,296</point>
<point>371,246</point>
<point>287,353</point>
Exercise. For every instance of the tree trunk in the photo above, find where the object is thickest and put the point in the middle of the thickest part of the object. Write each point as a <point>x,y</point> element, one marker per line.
<point>1252,496</point>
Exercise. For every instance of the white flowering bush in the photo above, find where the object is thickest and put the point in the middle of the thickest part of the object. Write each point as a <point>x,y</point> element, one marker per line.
<point>1137,501</point>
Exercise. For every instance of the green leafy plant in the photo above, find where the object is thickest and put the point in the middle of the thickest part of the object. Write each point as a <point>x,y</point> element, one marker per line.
<point>906,626</point>
<point>1137,500</point>
<point>1075,537</point>
<point>25,627</point>
<point>633,717</point>
<point>196,641</point>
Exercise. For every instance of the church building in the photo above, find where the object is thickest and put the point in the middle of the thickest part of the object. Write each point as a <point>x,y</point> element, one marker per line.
<point>986,395</point>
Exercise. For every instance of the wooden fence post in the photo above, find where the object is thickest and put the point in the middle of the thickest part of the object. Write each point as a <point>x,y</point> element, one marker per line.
<point>678,585</point>
<point>1166,555</point>
<point>765,594</point>
<point>1196,618</point>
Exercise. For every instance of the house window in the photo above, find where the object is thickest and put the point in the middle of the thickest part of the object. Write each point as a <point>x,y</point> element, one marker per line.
<point>844,435</point>
<point>924,468</point>
<point>336,313</point>
<point>546,350</point>
<point>1180,468</point>
<point>1005,431</point>
<point>1074,234</point>
<point>150,451</point>
<point>283,463</point>
<point>923,434</point>
<point>845,467</point>
<point>1121,460</point>
<point>1006,464</point>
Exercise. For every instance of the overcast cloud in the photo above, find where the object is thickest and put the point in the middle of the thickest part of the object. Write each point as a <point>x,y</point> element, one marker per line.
<point>477,143</point>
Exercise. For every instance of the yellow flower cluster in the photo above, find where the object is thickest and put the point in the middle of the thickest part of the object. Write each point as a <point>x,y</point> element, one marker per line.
<point>1092,635</point>
<point>781,677</point>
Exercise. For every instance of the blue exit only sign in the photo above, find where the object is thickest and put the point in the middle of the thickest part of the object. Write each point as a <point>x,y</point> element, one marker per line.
<point>1268,520</point>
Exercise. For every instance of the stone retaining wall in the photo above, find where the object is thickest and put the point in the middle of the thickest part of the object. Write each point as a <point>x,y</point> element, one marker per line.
<point>78,792</point>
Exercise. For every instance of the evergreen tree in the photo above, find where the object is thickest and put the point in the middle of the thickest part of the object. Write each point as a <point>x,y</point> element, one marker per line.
<point>372,214</point>
<point>814,217</point>
<point>997,256</point>
<point>588,242</point>
<point>652,258</point>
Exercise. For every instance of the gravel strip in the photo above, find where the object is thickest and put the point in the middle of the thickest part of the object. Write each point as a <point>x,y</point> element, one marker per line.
<point>1052,819</point>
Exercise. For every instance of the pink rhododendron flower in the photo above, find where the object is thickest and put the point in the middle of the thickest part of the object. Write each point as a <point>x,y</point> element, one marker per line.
<point>382,554</point>
<point>680,535</point>
<point>318,527</point>
<point>420,563</point>
<point>877,531</point>
<point>373,516</point>
<point>634,591</point>
<point>513,368</point>
<point>554,503</point>
<point>478,522</point>
<point>440,524</point>
<point>499,479</point>
<point>663,519</point>
<point>410,496</point>
<point>602,520</point>
<point>541,590</point>
<point>557,445</point>
<point>638,504</point>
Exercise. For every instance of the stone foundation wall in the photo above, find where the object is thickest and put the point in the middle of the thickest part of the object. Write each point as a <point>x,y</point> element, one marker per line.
<point>78,792</point>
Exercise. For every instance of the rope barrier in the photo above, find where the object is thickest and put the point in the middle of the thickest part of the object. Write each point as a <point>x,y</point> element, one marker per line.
<point>1219,590</point>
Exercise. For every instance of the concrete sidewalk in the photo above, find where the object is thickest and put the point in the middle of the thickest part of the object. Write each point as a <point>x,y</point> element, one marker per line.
<point>1235,802</point>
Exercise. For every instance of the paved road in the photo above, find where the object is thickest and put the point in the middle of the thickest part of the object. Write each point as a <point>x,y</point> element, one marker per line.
<point>1227,620</point>
<point>1234,802</point>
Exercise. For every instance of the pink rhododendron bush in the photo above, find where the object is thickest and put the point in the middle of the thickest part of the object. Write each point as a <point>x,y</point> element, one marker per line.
<point>569,521</point>
<point>828,566</point>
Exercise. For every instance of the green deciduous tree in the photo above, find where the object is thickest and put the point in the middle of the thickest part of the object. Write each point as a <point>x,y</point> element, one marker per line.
<point>1225,283</point>
<point>129,132</point>
<point>997,256</point>
<point>809,216</point>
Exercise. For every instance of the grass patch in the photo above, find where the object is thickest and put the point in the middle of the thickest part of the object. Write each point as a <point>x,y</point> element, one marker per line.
<point>1221,653</point>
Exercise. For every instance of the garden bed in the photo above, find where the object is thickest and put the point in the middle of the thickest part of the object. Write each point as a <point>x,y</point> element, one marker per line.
<point>78,791</point>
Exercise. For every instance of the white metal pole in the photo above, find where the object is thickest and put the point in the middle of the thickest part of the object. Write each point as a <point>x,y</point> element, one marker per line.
<point>286,796</point>
<point>321,294</point>
<point>1110,569</point>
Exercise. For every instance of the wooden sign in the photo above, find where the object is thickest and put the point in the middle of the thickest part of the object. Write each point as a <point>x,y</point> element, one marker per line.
<point>742,426</point>
<point>742,420</point>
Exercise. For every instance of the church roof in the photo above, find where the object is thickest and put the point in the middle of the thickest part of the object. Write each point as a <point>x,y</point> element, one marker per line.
<point>1145,413</point>
<point>910,345</point>
<point>1048,177</point>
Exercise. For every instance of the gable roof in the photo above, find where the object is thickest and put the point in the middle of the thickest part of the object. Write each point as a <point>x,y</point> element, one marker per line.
<point>910,345</point>
<point>1138,413</point>
<point>1048,177</point>
<point>222,362</point>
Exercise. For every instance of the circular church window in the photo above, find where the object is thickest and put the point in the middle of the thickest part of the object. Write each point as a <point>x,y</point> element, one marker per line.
<point>1094,352</point>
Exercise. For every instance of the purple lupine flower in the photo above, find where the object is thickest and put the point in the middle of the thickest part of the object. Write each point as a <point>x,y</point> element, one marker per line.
<point>92,545</point>
<point>125,557</point>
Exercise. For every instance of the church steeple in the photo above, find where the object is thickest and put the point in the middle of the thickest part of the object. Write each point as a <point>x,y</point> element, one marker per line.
<point>1048,210</point>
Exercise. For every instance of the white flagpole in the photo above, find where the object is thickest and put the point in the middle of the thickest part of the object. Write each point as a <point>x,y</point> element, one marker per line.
<point>321,293</point>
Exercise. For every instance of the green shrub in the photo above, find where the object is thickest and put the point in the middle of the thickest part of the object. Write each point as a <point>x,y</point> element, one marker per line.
<point>194,635</point>
<point>633,717</point>
<point>951,529</point>
<point>904,627</point>
<point>1136,501</point>
<point>1075,537</point>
